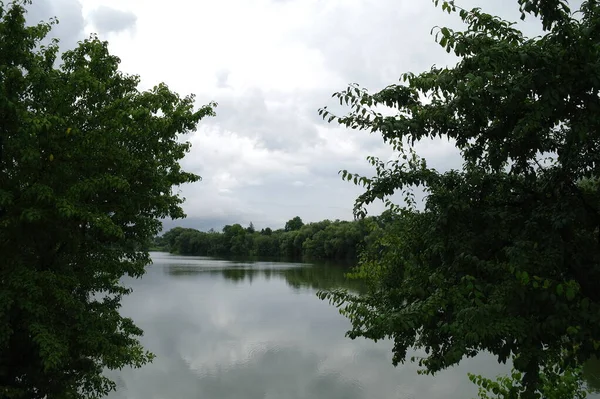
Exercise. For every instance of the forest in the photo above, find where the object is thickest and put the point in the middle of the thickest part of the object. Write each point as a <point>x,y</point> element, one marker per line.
<point>337,240</point>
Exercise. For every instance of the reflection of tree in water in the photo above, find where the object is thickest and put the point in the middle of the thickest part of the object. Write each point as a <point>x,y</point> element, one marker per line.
<point>591,374</point>
<point>239,275</point>
<point>318,277</point>
<point>235,274</point>
<point>322,278</point>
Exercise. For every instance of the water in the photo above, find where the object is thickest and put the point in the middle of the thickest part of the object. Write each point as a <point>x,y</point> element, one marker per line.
<point>225,330</point>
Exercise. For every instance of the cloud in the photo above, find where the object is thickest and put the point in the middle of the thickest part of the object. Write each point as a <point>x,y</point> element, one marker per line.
<point>70,28</point>
<point>267,156</point>
<point>222,77</point>
<point>110,20</point>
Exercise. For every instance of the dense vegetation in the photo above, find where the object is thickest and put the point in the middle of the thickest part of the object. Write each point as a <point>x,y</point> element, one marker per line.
<point>333,240</point>
<point>504,254</point>
<point>87,166</point>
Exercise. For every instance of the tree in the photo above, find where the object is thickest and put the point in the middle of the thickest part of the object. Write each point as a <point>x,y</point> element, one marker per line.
<point>266,246</point>
<point>294,224</point>
<point>235,239</point>
<point>171,237</point>
<point>504,254</point>
<point>250,229</point>
<point>87,166</point>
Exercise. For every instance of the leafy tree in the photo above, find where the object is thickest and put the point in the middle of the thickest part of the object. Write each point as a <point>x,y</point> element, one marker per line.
<point>286,245</point>
<point>87,166</point>
<point>250,229</point>
<point>216,245</point>
<point>265,246</point>
<point>504,256</point>
<point>294,224</point>
<point>558,384</point>
<point>235,239</point>
<point>171,237</point>
<point>339,240</point>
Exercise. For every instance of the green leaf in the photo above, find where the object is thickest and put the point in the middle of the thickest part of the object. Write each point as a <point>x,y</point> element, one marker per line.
<point>525,227</point>
<point>88,162</point>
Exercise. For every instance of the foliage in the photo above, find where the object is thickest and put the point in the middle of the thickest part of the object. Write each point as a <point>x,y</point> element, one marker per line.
<point>87,166</point>
<point>294,224</point>
<point>337,240</point>
<point>557,384</point>
<point>504,254</point>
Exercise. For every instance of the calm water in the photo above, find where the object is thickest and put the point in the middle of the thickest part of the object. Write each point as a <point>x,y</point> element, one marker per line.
<point>225,330</point>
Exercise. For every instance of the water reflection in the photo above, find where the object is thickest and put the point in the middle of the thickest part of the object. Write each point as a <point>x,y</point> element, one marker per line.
<point>316,277</point>
<point>591,373</point>
<point>256,330</point>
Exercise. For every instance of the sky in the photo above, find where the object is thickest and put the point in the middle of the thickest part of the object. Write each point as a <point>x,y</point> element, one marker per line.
<point>270,65</point>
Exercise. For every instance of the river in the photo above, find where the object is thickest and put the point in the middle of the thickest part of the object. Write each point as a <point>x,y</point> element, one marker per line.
<point>249,330</point>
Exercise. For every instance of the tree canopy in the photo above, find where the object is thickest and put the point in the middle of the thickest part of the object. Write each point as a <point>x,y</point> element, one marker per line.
<point>332,240</point>
<point>294,224</point>
<point>503,255</point>
<point>87,166</point>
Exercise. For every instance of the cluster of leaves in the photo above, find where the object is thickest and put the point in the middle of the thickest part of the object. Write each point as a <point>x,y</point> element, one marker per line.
<point>557,384</point>
<point>333,240</point>
<point>87,166</point>
<point>504,254</point>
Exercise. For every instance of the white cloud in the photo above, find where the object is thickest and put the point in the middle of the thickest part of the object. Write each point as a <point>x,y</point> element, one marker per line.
<point>110,20</point>
<point>70,28</point>
<point>267,156</point>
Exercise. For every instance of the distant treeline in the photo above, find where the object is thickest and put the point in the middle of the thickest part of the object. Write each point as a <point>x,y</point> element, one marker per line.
<point>330,240</point>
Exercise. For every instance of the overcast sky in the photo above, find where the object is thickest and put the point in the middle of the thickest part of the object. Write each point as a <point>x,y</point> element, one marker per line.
<point>270,64</point>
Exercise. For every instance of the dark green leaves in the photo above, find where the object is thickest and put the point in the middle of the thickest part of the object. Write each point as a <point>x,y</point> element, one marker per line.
<point>503,254</point>
<point>87,166</point>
